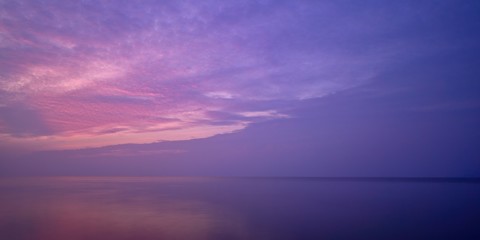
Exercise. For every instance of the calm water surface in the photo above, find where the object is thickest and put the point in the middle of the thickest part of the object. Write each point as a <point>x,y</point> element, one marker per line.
<point>236,208</point>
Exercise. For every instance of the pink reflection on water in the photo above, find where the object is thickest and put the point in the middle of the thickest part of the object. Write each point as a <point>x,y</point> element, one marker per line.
<point>79,209</point>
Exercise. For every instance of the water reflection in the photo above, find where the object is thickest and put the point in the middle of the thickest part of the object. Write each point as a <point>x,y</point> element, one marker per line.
<point>90,208</point>
<point>234,208</point>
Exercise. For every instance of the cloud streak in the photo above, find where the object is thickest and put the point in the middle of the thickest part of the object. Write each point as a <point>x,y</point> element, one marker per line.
<point>98,73</point>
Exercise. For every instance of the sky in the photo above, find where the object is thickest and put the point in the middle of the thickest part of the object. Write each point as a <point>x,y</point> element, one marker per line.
<point>240,88</point>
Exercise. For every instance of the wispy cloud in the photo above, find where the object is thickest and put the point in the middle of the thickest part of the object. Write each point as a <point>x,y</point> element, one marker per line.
<point>98,73</point>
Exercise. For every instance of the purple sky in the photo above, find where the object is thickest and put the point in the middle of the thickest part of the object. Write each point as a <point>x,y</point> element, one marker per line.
<point>290,88</point>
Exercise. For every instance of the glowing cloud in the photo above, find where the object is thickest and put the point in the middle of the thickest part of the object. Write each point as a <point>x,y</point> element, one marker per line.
<point>102,73</point>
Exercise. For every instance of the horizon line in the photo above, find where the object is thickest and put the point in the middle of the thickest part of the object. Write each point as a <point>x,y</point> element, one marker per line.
<point>319,178</point>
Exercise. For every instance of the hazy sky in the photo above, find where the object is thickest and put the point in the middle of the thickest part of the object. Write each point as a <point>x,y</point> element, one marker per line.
<point>290,88</point>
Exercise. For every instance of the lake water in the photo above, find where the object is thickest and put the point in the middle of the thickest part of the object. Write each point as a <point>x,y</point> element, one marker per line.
<point>71,208</point>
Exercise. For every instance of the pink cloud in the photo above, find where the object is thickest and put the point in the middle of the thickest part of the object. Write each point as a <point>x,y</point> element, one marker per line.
<point>154,73</point>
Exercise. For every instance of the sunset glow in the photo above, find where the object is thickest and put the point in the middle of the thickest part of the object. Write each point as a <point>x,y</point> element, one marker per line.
<point>92,74</point>
<point>240,87</point>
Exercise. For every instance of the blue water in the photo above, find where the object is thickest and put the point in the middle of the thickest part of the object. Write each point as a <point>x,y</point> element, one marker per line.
<point>120,208</point>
